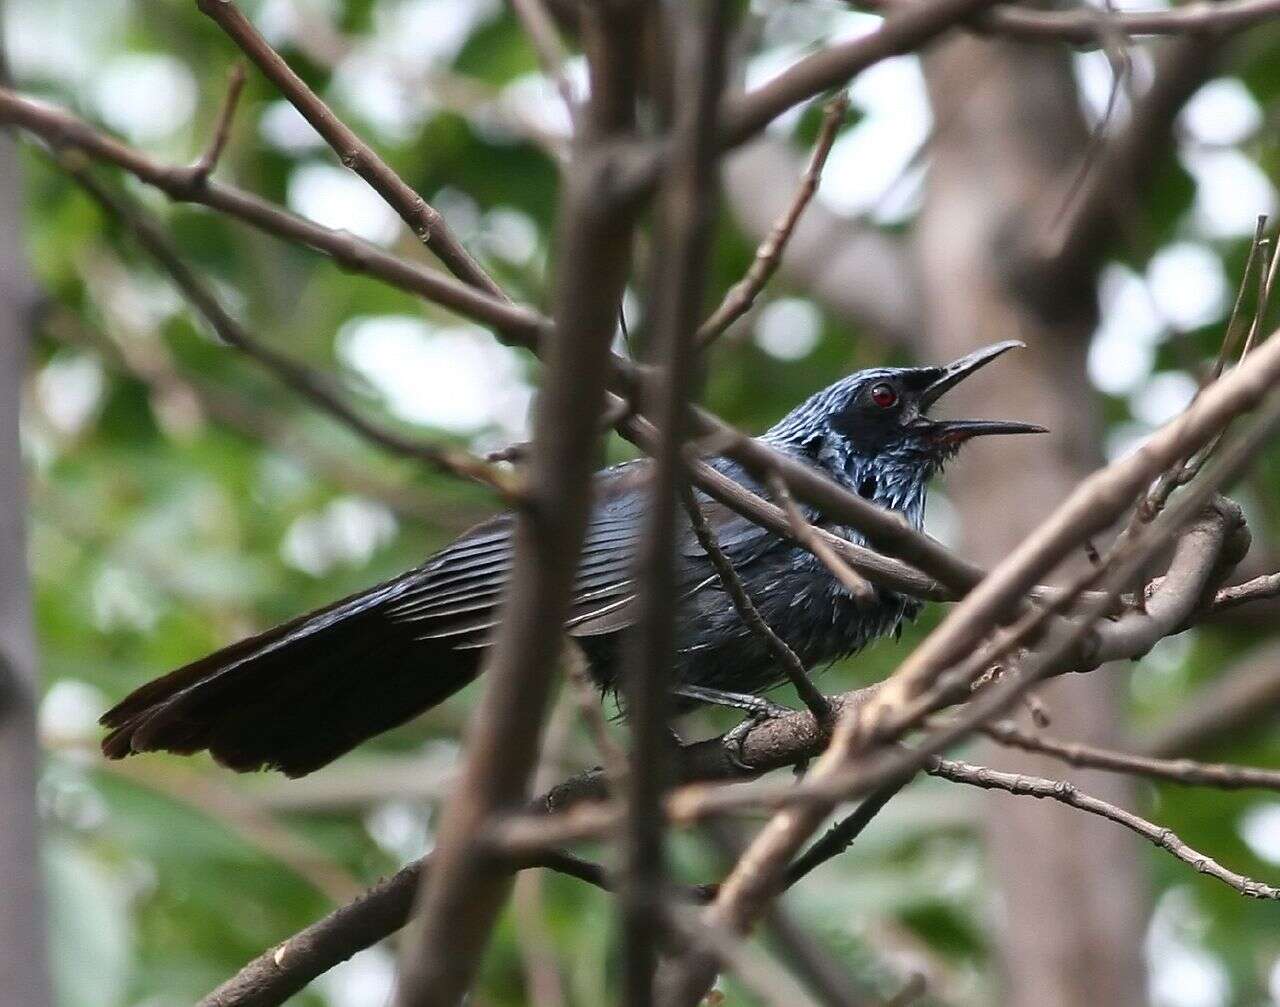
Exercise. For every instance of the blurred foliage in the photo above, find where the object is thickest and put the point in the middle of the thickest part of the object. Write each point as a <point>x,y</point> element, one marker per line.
<point>181,500</point>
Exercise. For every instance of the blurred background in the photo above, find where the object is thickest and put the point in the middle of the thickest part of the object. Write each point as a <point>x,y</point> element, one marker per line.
<point>179,499</point>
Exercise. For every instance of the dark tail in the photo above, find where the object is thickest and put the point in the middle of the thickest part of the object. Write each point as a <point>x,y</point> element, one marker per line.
<point>298,696</point>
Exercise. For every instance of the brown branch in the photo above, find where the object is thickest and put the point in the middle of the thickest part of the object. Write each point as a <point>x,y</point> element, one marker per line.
<point>770,745</point>
<point>549,47</point>
<point>464,892</point>
<point>306,382</point>
<point>207,161</point>
<point>1246,696</point>
<point>1259,588</point>
<point>750,615</point>
<point>686,212</point>
<point>861,273</point>
<point>60,129</point>
<point>1080,26</point>
<point>840,772</point>
<point>840,836</point>
<point>903,31</point>
<point>807,535</point>
<point>1066,793</point>
<point>423,219</point>
<point>737,302</point>
<point>1185,771</point>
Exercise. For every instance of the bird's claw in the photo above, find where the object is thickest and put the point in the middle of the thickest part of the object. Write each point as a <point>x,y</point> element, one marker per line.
<point>734,740</point>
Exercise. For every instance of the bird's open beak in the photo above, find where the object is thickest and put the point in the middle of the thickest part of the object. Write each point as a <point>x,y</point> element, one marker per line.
<point>956,431</point>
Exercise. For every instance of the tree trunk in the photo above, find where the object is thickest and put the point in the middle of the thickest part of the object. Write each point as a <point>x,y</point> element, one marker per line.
<point>1072,904</point>
<point>23,959</point>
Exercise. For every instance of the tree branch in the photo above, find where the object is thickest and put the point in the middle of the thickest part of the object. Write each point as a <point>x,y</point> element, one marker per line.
<point>60,129</point>
<point>425,221</point>
<point>687,203</point>
<point>464,893</point>
<point>1185,771</point>
<point>307,383</point>
<point>1066,793</point>
<point>742,295</point>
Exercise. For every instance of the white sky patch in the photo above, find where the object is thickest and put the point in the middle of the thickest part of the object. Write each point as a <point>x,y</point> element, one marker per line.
<point>867,160</point>
<point>348,531</point>
<point>367,979</point>
<point>336,198</point>
<point>788,328</point>
<point>47,40</point>
<point>1181,972</point>
<point>366,83</point>
<point>1259,827</point>
<point>399,828</point>
<point>460,211</point>
<point>281,21</point>
<point>1095,79</point>
<point>70,709</point>
<point>1231,191</point>
<point>378,78</point>
<point>69,389</point>
<point>120,601</point>
<point>283,127</point>
<point>1220,113</point>
<point>534,99</point>
<point>455,378</point>
<point>1188,284</point>
<point>1163,397</point>
<point>1122,352</point>
<point>146,97</point>
<point>1121,439</point>
<point>509,234</point>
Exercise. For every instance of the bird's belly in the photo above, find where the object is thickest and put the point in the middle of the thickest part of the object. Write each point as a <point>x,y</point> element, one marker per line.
<point>809,610</point>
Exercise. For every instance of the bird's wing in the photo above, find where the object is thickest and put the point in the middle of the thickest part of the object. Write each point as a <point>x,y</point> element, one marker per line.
<point>457,592</point>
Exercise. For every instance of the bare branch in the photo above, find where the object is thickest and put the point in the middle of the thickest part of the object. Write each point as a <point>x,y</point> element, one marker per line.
<point>807,535</point>
<point>424,220</point>
<point>60,129</point>
<point>750,615</point>
<point>464,893</point>
<point>686,212</point>
<point>1066,793</point>
<point>308,383</point>
<point>1185,771</point>
<point>737,302</point>
<point>543,34</point>
<point>222,127</point>
<point>1079,26</point>
<point>861,273</point>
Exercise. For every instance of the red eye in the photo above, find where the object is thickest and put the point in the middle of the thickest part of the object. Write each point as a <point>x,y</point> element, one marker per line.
<point>884,396</point>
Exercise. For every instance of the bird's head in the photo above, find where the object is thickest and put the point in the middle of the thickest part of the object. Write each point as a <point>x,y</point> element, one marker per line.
<point>872,429</point>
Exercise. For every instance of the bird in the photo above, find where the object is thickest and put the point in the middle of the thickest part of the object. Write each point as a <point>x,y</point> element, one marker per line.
<point>299,695</point>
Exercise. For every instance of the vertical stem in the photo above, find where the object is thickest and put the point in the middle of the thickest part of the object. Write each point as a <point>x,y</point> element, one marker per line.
<point>23,956</point>
<point>685,213</point>
<point>463,893</point>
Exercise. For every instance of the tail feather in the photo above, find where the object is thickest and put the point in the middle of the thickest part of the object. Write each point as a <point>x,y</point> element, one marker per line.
<point>296,697</point>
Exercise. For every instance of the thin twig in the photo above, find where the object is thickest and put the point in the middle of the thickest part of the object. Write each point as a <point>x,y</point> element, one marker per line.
<point>737,302</point>
<point>549,47</point>
<point>62,130</point>
<point>425,221</point>
<point>807,535</point>
<point>685,218</point>
<point>222,126</point>
<point>840,836</point>
<point>1066,793</point>
<point>1185,771</point>
<point>750,615</point>
<point>308,383</point>
<point>1078,26</point>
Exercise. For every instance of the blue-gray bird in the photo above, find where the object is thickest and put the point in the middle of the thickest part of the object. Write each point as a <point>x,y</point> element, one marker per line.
<point>298,696</point>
